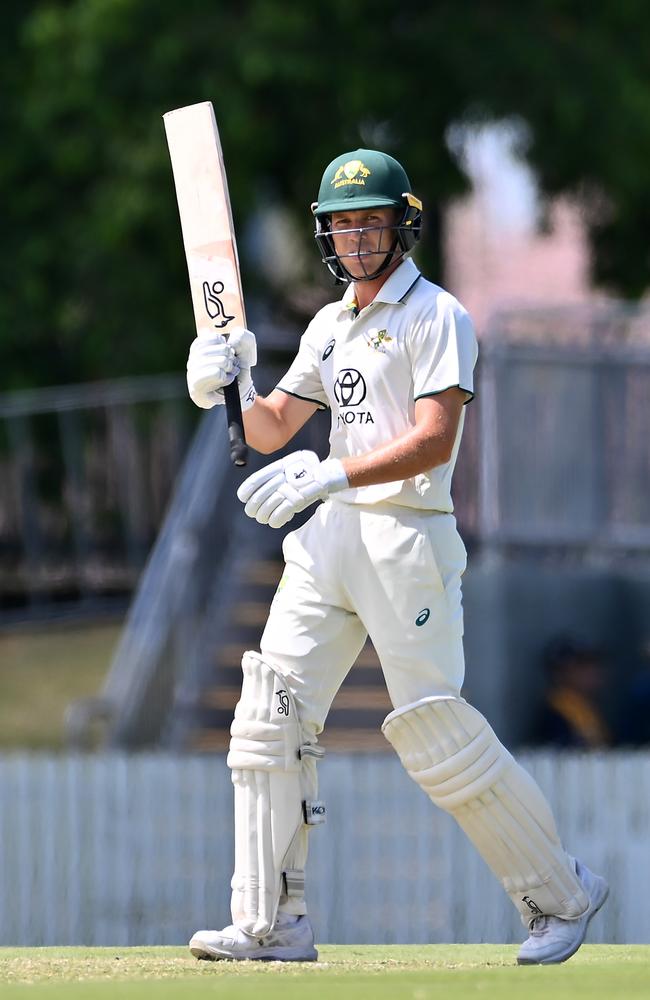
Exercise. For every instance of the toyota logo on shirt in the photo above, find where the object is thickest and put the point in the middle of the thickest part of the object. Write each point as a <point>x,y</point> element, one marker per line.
<point>350,387</point>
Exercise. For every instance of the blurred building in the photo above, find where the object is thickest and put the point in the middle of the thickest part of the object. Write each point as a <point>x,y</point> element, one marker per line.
<point>503,248</point>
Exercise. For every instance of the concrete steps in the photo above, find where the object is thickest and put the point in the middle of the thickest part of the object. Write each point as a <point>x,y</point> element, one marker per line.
<point>357,712</point>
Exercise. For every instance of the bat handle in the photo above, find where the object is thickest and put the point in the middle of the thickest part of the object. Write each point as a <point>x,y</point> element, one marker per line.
<point>238,448</point>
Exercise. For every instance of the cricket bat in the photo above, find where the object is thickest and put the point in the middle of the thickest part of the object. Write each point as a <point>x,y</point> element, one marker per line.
<point>209,238</point>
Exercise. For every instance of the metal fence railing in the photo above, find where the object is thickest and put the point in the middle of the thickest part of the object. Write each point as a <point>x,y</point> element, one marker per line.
<point>556,459</point>
<point>165,616</point>
<point>556,454</point>
<point>184,589</point>
<point>86,472</point>
<point>136,850</point>
<point>559,452</point>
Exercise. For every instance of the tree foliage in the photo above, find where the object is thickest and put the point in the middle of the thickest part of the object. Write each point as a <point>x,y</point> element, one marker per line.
<point>93,276</point>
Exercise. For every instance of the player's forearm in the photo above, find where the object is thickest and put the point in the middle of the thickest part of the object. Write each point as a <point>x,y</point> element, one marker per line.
<point>404,457</point>
<point>266,430</point>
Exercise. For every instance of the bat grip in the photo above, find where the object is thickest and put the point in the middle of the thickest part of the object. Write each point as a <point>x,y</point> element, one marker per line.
<point>238,448</point>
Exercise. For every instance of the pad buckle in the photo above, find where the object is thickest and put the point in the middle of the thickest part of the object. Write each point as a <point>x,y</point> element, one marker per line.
<point>294,882</point>
<point>313,812</point>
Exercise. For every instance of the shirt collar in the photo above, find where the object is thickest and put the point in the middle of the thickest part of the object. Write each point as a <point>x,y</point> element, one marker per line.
<point>394,289</point>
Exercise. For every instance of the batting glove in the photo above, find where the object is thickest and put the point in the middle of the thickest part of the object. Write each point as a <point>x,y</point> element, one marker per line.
<point>277,492</point>
<point>215,362</point>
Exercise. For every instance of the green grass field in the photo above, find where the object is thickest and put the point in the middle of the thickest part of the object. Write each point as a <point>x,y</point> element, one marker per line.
<point>408,972</point>
<point>45,668</point>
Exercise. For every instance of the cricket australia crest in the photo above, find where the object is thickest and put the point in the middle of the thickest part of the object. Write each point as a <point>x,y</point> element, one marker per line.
<point>378,340</point>
<point>352,172</point>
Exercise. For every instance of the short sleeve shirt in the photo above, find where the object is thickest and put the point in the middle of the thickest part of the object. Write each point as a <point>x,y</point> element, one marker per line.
<point>413,340</point>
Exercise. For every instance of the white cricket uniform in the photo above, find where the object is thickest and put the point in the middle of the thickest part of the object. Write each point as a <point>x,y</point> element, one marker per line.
<point>382,560</point>
<point>386,561</point>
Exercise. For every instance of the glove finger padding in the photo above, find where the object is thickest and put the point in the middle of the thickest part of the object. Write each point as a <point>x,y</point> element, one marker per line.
<point>207,338</point>
<point>276,501</point>
<point>211,365</point>
<point>275,506</point>
<point>286,487</point>
<point>286,506</point>
<point>201,349</point>
<point>293,502</point>
<point>204,352</point>
<point>215,362</point>
<point>253,482</point>
<point>295,463</point>
<point>208,381</point>
<point>261,494</point>
<point>244,345</point>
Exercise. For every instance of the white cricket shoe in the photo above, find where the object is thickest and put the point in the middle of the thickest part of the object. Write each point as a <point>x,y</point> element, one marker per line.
<point>553,939</point>
<point>290,940</point>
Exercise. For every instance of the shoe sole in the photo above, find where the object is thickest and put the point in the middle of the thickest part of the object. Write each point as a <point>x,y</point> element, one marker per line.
<point>272,955</point>
<point>599,902</point>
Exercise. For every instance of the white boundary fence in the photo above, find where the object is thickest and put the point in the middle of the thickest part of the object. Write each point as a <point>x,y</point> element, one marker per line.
<point>127,850</point>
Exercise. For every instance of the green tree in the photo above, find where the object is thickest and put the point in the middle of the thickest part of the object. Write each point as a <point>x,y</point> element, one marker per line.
<point>93,276</point>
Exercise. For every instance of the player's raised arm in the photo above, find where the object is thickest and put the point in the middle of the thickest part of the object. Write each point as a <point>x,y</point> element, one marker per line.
<point>215,363</point>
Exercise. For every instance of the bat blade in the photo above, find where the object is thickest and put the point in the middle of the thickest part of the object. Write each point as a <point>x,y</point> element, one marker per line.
<point>209,237</point>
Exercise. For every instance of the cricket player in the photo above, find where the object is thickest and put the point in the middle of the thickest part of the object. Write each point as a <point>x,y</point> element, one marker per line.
<point>393,361</point>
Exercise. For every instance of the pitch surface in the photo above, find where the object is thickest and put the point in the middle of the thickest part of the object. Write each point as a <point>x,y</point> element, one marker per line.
<point>412,972</point>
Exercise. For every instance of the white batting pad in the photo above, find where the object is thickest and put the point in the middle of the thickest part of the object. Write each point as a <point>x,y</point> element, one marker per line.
<point>274,775</point>
<point>450,750</point>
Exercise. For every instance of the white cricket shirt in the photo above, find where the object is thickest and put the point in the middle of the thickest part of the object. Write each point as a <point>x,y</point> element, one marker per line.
<point>413,340</point>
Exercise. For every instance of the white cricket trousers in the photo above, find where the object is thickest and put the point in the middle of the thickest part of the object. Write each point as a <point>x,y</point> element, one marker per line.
<point>394,573</point>
<point>390,572</point>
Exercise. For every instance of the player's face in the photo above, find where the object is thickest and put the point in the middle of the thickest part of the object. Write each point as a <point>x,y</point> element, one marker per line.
<point>363,237</point>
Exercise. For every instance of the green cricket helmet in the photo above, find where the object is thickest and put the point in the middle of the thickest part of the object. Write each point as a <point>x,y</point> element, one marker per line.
<point>366,178</point>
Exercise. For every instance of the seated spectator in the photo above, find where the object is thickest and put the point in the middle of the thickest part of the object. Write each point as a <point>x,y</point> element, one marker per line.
<point>634,725</point>
<point>571,715</point>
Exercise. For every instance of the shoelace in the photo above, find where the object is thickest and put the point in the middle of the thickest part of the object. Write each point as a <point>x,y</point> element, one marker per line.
<point>538,925</point>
